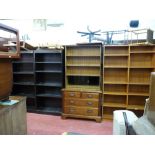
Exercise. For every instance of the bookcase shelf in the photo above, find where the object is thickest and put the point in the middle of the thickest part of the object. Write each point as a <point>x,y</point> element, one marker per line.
<point>24,83</point>
<point>22,72</point>
<point>116,55</point>
<point>117,105</point>
<point>39,76</point>
<point>114,93</point>
<point>127,71</point>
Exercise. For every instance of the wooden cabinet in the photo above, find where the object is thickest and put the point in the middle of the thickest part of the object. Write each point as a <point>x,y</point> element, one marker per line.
<point>13,117</point>
<point>39,76</point>
<point>127,70</point>
<point>82,93</point>
<point>82,104</point>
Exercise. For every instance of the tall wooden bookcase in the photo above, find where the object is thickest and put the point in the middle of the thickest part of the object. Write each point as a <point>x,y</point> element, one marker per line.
<point>127,70</point>
<point>39,76</point>
<point>82,93</point>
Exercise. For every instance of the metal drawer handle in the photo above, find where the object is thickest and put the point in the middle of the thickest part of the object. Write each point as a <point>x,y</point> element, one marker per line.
<point>89,111</point>
<point>72,94</point>
<point>71,101</point>
<point>89,103</point>
<point>71,110</point>
<point>90,96</point>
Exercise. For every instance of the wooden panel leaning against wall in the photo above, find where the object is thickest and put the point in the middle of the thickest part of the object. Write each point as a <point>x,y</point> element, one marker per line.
<point>9,49</point>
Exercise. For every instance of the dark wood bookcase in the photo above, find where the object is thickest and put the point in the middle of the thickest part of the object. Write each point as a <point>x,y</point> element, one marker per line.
<point>39,76</point>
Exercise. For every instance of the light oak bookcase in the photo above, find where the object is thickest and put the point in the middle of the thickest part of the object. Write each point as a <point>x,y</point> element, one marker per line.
<point>83,82</point>
<point>126,77</point>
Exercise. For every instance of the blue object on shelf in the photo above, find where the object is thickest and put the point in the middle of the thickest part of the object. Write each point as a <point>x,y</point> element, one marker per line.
<point>8,102</point>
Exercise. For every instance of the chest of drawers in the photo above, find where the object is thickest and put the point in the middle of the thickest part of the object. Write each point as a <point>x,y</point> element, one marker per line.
<point>82,104</point>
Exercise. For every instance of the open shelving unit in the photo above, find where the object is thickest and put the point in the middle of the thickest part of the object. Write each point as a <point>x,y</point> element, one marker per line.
<point>24,78</point>
<point>115,79</point>
<point>39,76</point>
<point>83,67</point>
<point>127,70</point>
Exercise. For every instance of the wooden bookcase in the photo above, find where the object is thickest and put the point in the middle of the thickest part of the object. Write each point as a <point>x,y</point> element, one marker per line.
<point>49,80</point>
<point>142,63</point>
<point>83,67</point>
<point>116,61</point>
<point>82,93</point>
<point>126,79</point>
<point>24,78</point>
<point>39,76</point>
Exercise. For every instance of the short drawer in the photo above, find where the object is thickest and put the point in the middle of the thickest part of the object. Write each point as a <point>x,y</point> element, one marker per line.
<point>81,111</point>
<point>72,94</point>
<point>90,95</point>
<point>80,102</point>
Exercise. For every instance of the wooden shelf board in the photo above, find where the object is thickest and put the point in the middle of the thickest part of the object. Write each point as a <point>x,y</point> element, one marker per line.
<point>107,116</point>
<point>114,82</point>
<point>49,84</point>
<point>24,83</point>
<point>138,94</point>
<point>135,107</point>
<point>117,105</point>
<point>80,87</point>
<point>115,93</point>
<point>48,52</point>
<point>116,55</point>
<point>50,110</point>
<point>25,94</point>
<point>83,65</point>
<point>23,72</point>
<point>41,62</point>
<point>50,71</point>
<point>83,74</point>
<point>83,55</point>
<point>22,62</point>
<point>115,66</point>
<point>142,52</point>
<point>141,67</point>
<point>48,95</point>
<point>134,83</point>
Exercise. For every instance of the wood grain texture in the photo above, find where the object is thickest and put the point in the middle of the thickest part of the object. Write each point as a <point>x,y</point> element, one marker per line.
<point>13,118</point>
<point>6,78</point>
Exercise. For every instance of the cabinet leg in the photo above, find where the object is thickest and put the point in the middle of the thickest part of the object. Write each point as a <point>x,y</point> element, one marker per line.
<point>98,120</point>
<point>63,117</point>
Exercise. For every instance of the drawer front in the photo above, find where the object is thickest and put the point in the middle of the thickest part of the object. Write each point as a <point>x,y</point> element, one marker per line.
<point>91,103</point>
<point>72,94</point>
<point>81,111</point>
<point>90,95</point>
<point>78,102</point>
<point>73,102</point>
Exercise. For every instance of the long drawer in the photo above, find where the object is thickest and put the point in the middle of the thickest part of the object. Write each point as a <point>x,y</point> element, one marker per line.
<point>81,102</point>
<point>81,111</point>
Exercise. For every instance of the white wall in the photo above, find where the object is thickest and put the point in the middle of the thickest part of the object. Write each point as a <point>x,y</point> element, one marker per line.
<point>76,15</point>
